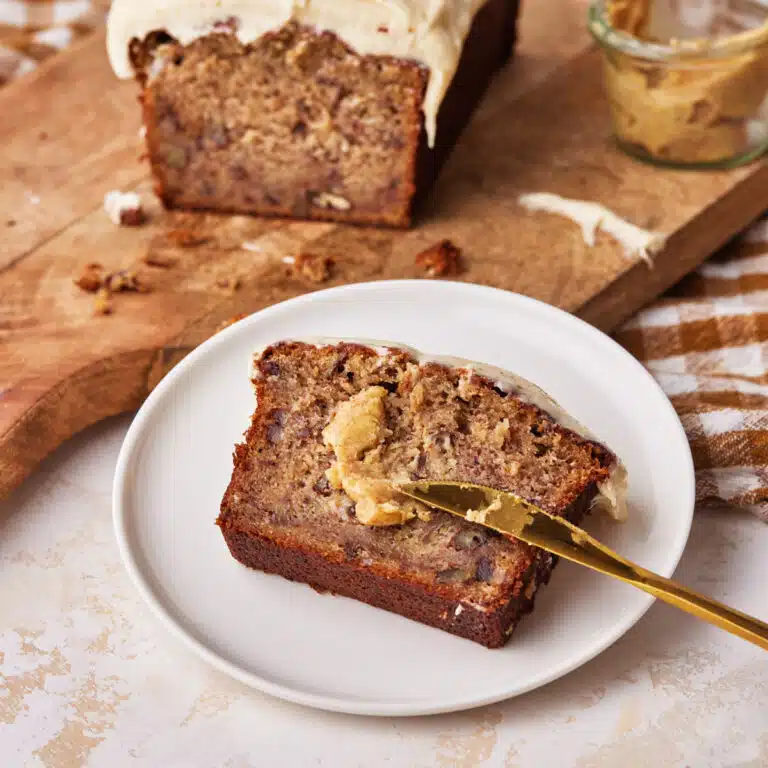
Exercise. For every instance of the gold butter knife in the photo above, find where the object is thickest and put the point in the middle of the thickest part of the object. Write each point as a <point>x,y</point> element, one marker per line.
<point>510,514</point>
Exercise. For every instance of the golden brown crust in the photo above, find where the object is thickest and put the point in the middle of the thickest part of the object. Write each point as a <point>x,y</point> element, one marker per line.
<point>491,628</point>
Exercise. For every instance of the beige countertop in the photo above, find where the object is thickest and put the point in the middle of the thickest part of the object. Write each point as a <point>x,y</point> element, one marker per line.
<point>90,678</point>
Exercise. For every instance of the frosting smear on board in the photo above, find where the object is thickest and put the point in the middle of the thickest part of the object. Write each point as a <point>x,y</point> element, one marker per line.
<point>635,240</point>
<point>431,32</point>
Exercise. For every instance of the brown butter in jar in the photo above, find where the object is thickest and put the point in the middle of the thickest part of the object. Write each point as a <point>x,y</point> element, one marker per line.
<point>690,101</point>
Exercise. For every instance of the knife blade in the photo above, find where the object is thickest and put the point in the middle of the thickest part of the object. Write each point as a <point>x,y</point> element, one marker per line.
<point>510,514</point>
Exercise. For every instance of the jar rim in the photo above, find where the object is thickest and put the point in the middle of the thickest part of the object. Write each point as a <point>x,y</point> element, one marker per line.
<point>609,37</point>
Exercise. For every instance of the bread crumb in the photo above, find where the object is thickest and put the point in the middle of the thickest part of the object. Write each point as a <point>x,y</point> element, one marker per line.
<point>312,266</point>
<point>231,24</point>
<point>91,278</point>
<point>231,321</point>
<point>125,281</point>
<point>94,280</point>
<point>160,261</point>
<point>185,238</point>
<point>231,284</point>
<point>102,304</point>
<point>124,208</point>
<point>481,515</point>
<point>440,259</point>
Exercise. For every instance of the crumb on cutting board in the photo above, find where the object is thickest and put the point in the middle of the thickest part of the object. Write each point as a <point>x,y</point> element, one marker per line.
<point>91,278</point>
<point>102,304</point>
<point>94,279</point>
<point>159,260</point>
<point>229,284</point>
<point>440,259</point>
<point>312,266</point>
<point>124,208</point>
<point>230,321</point>
<point>185,238</point>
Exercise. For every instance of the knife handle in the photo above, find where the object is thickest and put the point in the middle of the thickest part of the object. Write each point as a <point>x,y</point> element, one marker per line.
<point>564,539</point>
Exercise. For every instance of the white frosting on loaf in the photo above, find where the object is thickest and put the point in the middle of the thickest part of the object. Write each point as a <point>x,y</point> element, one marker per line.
<point>431,32</point>
<point>612,494</point>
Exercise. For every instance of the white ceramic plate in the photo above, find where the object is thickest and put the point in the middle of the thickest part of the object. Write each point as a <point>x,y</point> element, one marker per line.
<point>338,654</point>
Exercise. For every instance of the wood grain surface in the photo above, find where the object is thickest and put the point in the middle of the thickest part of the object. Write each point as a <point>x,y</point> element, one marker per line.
<point>69,134</point>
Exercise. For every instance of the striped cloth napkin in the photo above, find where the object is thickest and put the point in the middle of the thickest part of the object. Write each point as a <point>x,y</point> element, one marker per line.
<point>705,341</point>
<point>32,30</point>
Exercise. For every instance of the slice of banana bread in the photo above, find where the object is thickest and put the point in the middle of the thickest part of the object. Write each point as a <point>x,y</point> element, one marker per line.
<point>313,493</point>
<point>298,121</point>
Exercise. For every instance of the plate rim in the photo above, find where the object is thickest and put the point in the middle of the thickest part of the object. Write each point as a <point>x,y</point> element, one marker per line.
<point>334,703</point>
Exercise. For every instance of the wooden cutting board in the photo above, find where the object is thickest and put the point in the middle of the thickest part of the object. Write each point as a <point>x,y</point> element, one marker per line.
<point>69,133</point>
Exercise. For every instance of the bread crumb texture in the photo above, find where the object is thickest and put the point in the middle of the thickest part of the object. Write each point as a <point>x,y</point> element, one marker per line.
<point>338,427</point>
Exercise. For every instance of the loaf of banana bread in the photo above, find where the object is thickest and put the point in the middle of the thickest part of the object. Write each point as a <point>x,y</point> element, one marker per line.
<point>313,495</point>
<point>330,109</point>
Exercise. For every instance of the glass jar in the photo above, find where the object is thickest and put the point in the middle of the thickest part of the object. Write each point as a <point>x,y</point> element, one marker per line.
<point>687,81</point>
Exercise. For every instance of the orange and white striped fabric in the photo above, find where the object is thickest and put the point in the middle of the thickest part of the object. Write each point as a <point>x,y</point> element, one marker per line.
<point>706,341</point>
<point>32,30</point>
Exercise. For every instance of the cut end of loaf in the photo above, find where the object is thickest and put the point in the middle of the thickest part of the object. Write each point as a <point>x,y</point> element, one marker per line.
<point>297,123</point>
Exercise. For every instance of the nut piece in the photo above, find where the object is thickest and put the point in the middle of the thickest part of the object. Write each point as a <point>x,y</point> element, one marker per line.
<point>125,281</point>
<point>124,208</point>
<point>484,571</point>
<point>91,279</point>
<point>312,266</point>
<point>328,200</point>
<point>440,259</point>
